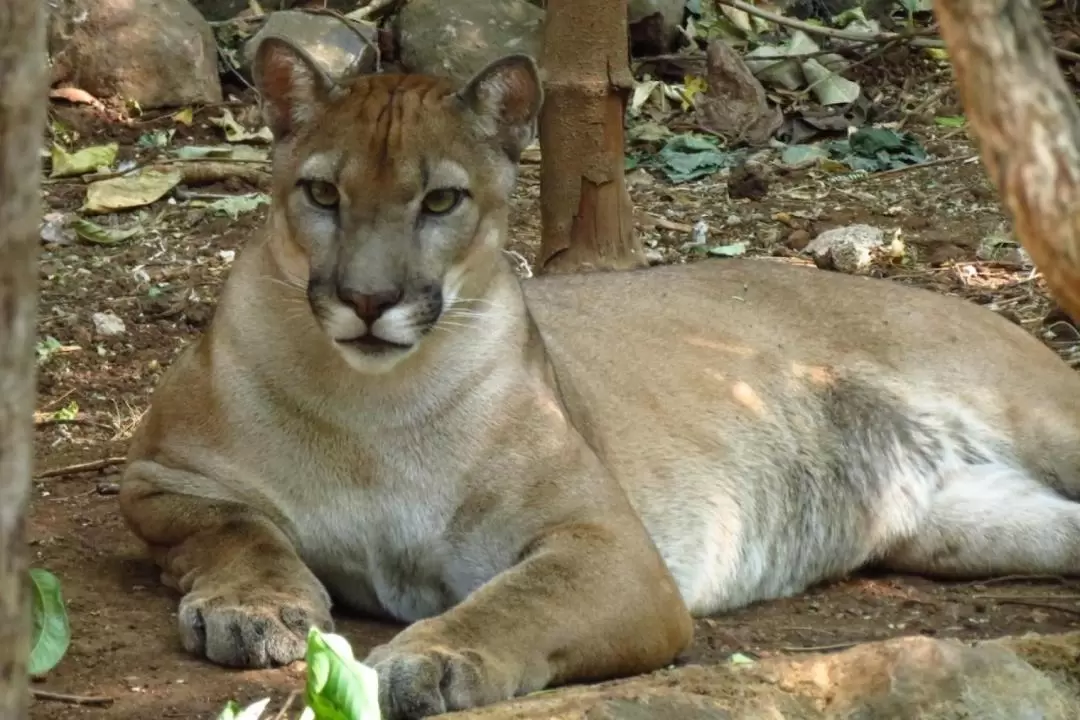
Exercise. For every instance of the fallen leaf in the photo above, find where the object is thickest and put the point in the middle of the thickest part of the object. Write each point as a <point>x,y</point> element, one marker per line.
<point>234,205</point>
<point>688,157</point>
<point>87,160</point>
<point>185,116</point>
<point>828,87</point>
<point>130,191</point>
<point>953,121</point>
<point>235,132</point>
<point>800,156</point>
<point>225,152</point>
<point>91,232</point>
<point>732,250</point>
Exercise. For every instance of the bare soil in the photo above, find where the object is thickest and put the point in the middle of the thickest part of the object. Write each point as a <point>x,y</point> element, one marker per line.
<point>164,284</point>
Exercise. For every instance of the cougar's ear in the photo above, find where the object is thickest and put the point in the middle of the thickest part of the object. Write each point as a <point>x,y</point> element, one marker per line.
<point>291,84</point>
<point>506,97</point>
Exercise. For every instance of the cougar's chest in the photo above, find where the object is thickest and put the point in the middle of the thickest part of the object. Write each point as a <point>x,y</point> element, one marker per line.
<point>383,542</point>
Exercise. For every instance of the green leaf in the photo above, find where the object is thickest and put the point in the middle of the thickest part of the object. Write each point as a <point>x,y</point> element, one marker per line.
<point>51,633</point>
<point>130,191</point>
<point>91,232</point>
<point>688,157</point>
<point>740,659</point>
<point>87,160</point>
<point>223,152</point>
<point>68,412</point>
<point>234,205</point>
<point>338,686</point>
<point>229,711</point>
<point>802,155</point>
<point>828,87</point>
<point>732,250</point>
<point>953,121</point>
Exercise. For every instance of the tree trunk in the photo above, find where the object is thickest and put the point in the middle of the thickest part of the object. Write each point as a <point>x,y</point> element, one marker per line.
<point>23,89</point>
<point>1027,125</point>
<point>587,218</point>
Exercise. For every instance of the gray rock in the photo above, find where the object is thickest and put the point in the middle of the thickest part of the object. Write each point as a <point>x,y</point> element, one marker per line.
<point>158,53</point>
<point>847,249</point>
<point>107,324</point>
<point>328,40</point>
<point>456,38</point>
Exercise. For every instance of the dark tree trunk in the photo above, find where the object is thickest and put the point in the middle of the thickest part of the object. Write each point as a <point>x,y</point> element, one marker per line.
<point>587,218</point>
<point>23,91</point>
<point>1027,125</point>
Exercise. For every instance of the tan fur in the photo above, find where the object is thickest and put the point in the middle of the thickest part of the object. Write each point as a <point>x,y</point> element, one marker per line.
<point>552,473</point>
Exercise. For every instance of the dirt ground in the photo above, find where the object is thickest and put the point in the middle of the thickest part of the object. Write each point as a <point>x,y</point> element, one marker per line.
<point>163,285</point>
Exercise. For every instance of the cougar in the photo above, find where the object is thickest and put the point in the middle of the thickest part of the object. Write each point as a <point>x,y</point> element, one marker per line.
<point>546,479</point>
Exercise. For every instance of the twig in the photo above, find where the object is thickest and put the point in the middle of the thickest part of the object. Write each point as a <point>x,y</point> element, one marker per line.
<point>910,38</point>
<point>928,163</point>
<point>810,29</point>
<point>821,648</point>
<point>925,104</point>
<point>1025,598</point>
<point>372,8</point>
<point>81,468</point>
<point>97,701</point>
<point>1032,604</point>
<point>349,22</point>
<point>280,715</point>
<point>1016,578</point>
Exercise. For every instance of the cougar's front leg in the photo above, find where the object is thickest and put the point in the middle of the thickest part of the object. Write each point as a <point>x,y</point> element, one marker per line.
<point>589,600</point>
<point>248,598</point>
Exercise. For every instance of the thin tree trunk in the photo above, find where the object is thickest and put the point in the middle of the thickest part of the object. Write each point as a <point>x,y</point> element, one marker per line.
<point>23,89</point>
<point>587,218</point>
<point>1027,125</point>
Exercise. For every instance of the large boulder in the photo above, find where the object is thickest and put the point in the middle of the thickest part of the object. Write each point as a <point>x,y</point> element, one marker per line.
<point>911,678</point>
<point>158,53</point>
<point>327,39</point>
<point>456,38</point>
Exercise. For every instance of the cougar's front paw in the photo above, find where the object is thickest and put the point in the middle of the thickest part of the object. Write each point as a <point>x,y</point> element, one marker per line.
<point>417,680</point>
<point>250,627</point>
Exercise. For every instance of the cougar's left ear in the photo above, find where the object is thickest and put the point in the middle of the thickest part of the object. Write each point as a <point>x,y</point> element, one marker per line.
<point>506,97</point>
<point>291,83</point>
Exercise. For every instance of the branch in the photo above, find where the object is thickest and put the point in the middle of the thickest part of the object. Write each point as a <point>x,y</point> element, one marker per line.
<point>912,38</point>
<point>1027,125</point>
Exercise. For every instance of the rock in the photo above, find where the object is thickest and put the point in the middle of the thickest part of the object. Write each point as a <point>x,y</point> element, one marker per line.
<point>847,249</point>
<point>911,678</point>
<point>328,40</point>
<point>456,38</point>
<point>654,24</point>
<point>107,324</point>
<point>735,105</point>
<point>798,239</point>
<point>158,53</point>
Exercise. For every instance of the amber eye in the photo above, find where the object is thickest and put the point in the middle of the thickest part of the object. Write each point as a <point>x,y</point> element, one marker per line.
<point>322,193</point>
<point>442,201</point>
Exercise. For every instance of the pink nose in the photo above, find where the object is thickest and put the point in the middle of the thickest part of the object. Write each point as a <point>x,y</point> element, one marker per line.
<point>370,306</point>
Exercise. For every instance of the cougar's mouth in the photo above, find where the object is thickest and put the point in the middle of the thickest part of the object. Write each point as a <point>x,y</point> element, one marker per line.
<point>373,344</point>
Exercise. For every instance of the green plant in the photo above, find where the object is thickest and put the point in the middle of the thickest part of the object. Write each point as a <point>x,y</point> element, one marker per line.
<point>339,687</point>
<point>51,633</point>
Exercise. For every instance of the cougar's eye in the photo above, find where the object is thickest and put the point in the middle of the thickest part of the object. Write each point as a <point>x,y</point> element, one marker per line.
<point>322,193</point>
<point>442,201</point>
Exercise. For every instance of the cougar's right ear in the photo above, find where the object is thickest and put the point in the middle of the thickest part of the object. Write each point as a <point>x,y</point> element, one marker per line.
<point>291,84</point>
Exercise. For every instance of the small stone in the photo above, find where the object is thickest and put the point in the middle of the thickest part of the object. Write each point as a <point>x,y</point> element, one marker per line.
<point>798,239</point>
<point>107,324</point>
<point>654,256</point>
<point>847,249</point>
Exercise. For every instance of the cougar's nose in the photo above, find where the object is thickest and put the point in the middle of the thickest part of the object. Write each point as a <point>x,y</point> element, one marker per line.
<point>370,306</point>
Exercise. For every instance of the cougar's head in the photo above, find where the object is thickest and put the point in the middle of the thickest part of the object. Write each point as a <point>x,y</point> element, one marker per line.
<point>392,190</point>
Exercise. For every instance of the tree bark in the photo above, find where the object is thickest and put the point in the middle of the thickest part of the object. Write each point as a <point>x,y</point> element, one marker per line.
<point>1027,126</point>
<point>23,92</point>
<point>586,214</point>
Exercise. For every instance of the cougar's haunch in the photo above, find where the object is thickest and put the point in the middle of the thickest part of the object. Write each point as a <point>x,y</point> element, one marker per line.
<point>547,478</point>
